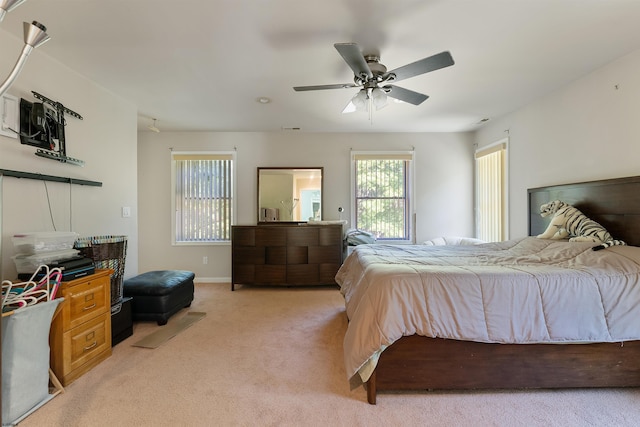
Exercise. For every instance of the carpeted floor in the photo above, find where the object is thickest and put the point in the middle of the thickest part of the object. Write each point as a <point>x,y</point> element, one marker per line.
<point>273,357</point>
<point>161,335</point>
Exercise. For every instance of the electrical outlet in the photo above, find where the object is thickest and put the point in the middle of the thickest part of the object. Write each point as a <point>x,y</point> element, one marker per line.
<point>205,260</point>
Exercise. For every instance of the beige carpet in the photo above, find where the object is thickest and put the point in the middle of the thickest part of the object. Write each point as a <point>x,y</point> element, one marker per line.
<point>273,357</point>
<point>162,335</point>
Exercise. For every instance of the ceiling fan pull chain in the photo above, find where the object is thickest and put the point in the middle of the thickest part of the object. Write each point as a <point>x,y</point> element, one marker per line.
<point>370,98</point>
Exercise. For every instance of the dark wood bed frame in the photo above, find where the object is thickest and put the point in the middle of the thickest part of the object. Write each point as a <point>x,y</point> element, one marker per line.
<point>422,363</point>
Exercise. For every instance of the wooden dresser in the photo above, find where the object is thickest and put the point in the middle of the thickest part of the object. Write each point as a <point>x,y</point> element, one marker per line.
<point>285,254</point>
<point>80,335</point>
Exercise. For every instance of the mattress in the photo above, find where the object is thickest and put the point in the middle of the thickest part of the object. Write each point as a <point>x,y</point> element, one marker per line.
<point>525,290</point>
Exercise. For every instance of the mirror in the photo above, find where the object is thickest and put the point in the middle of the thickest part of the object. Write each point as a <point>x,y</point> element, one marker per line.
<point>289,194</point>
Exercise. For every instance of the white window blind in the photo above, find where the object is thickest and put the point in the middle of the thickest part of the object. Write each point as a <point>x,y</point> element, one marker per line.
<point>491,224</point>
<point>203,196</point>
<point>381,193</point>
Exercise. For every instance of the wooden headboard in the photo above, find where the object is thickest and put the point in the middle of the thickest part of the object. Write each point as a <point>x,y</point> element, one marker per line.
<point>614,203</point>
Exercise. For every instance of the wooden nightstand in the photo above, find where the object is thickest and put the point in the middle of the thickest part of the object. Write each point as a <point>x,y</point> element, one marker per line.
<point>80,335</point>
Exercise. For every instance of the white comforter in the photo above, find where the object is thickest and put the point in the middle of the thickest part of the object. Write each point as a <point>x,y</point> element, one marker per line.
<point>521,291</point>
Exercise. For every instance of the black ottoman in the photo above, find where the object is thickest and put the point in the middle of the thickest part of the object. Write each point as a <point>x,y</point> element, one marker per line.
<point>158,295</point>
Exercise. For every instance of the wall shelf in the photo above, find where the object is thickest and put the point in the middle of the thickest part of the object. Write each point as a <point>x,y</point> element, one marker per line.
<point>53,178</point>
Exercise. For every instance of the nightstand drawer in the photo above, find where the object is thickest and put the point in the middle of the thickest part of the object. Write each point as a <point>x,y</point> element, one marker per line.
<point>86,341</point>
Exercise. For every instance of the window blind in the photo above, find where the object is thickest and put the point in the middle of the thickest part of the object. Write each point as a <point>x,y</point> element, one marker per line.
<point>490,193</point>
<point>203,196</point>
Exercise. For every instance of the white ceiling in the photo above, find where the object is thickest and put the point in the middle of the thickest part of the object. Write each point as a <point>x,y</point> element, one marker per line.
<point>199,65</point>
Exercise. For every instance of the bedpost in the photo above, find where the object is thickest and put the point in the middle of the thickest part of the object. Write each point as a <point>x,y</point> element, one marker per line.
<point>371,389</point>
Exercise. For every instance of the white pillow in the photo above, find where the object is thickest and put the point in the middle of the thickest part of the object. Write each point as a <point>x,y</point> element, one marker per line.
<point>453,240</point>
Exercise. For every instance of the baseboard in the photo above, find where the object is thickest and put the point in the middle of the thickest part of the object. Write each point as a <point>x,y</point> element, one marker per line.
<point>212,279</point>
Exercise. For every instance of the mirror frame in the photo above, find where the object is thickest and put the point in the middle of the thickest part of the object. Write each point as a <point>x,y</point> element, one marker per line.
<point>291,170</point>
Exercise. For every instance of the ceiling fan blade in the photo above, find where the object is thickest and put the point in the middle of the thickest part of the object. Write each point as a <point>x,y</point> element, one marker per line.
<point>432,63</point>
<point>405,95</point>
<point>322,87</point>
<point>352,54</point>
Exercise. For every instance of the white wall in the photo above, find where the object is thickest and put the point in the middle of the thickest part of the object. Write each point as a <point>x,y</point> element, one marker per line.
<point>589,130</point>
<point>106,140</point>
<point>585,131</point>
<point>444,181</point>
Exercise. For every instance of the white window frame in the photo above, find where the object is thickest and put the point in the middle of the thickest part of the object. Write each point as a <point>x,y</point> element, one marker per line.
<point>232,155</point>
<point>410,190</point>
<point>501,145</point>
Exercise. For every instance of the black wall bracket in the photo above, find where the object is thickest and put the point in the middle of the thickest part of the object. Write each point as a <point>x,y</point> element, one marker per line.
<point>61,154</point>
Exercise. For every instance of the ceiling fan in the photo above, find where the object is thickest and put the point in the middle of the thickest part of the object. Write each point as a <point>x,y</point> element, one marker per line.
<point>373,78</point>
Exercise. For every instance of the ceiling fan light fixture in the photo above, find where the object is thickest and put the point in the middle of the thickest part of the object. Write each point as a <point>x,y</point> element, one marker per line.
<point>379,98</point>
<point>361,101</point>
<point>153,127</point>
<point>350,108</point>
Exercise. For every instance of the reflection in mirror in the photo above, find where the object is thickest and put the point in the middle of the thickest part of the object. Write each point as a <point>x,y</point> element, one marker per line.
<point>289,194</point>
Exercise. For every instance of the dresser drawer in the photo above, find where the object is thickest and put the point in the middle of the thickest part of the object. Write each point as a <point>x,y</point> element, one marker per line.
<point>86,341</point>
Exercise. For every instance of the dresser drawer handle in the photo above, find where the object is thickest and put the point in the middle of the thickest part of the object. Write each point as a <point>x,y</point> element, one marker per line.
<point>87,348</point>
<point>89,307</point>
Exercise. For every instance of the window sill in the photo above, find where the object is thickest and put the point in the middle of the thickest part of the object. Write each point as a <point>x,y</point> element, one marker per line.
<point>225,243</point>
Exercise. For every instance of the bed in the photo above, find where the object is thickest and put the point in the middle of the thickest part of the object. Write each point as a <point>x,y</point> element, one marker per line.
<point>552,345</point>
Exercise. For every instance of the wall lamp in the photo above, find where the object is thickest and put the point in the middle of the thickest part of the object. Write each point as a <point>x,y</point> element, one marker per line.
<point>8,6</point>
<point>35,34</point>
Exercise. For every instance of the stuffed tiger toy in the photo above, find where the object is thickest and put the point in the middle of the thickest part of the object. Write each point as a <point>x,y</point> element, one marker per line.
<point>568,221</point>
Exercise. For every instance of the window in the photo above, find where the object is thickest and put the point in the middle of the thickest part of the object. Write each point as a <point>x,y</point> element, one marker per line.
<point>381,185</point>
<point>491,192</point>
<point>203,186</point>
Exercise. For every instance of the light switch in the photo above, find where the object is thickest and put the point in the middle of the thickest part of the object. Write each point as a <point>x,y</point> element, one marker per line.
<point>126,212</point>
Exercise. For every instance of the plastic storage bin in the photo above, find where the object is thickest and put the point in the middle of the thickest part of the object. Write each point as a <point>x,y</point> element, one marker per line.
<point>107,252</point>
<point>33,243</point>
